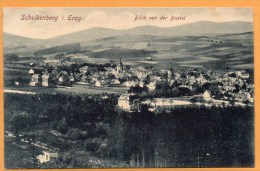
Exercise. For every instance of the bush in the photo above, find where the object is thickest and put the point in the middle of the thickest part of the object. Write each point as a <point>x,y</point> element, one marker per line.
<point>90,133</point>
<point>102,128</point>
<point>93,144</point>
<point>74,134</point>
<point>66,158</point>
<point>103,149</point>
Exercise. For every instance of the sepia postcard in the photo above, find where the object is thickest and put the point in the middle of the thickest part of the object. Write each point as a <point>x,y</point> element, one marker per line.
<point>121,87</point>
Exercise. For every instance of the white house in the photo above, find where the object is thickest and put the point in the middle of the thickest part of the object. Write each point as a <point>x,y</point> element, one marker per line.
<point>17,83</point>
<point>206,95</point>
<point>101,83</point>
<point>84,69</point>
<point>31,71</point>
<point>129,102</point>
<point>244,75</point>
<point>36,80</point>
<point>115,82</point>
<point>141,83</point>
<point>46,80</point>
<point>130,83</point>
<point>152,86</point>
<point>47,156</point>
<point>98,84</point>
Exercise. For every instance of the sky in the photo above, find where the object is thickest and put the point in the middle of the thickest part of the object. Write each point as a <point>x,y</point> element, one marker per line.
<point>115,18</point>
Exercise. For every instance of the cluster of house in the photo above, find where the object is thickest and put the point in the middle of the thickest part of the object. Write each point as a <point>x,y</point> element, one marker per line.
<point>233,85</point>
<point>41,77</point>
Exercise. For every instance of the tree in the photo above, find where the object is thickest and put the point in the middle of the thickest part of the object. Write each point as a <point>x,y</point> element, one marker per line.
<point>11,58</point>
<point>19,122</point>
<point>74,133</point>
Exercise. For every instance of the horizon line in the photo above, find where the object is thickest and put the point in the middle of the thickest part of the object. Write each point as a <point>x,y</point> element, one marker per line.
<point>124,28</point>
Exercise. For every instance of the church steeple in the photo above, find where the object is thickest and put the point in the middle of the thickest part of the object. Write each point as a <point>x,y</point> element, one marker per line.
<point>120,66</point>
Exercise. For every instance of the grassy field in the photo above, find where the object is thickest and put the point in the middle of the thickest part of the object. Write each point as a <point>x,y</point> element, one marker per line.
<point>216,52</point>
<point>82,89</point>
<point>75,89</point>
<point>16,74</point>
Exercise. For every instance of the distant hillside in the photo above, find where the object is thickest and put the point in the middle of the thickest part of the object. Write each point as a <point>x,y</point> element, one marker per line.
<point>197,28</point>
<point>14,41</point>
<point>236,34</point>
<point>58,49</point>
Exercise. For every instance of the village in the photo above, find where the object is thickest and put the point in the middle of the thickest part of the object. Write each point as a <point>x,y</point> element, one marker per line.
<point>164,88</point>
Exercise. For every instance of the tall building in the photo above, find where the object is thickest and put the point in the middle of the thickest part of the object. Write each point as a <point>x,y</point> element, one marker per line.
<point>36,80</point>
<point>120,67</point>
<point>46,80</point>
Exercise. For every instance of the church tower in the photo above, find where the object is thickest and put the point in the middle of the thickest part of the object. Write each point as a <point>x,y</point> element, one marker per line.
<point>120,67</point>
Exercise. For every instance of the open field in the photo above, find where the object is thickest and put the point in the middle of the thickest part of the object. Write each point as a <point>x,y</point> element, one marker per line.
<point>216,51</point>
<point>83,89</point>
<point>76,89</point>
<point>16,74</point>
<point>213,52</point>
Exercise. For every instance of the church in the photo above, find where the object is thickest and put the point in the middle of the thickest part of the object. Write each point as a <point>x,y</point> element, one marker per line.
<point>120,67</point>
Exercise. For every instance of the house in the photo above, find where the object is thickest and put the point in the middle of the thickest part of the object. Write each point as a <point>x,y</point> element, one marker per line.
<point>36,80</point>
<point>191,80</point>
<point>101,83</point>
<point>64,79</point>
<point>142,83</point>
<point>242,74</point>
<point>17,83</point>
<point>115,82</point>
<point>84,69</point>
<point>46,80</point>
<point>206,95</point>
<point>47,156</point>
<point>130,83</point>
<point>243,96</point>
<point>201,79</point>
<point>35,71</point>
<point>31,71</point>
<point>169,73</point>
<point>121,75</point>
<point>176,75</point>
<point>98,84</point>
<point>32,64</point>
<point>149,58</point>
<point>229,88</point>
<point>72,79</point>
<point>129,102</point>
<point>152,86</point>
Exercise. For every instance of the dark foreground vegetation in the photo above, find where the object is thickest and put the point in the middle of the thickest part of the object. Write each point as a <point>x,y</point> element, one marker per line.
<point>90,132</point>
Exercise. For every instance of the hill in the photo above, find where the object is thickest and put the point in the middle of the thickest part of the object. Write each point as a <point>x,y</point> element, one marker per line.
<point>191,29</point>
<point>12,41</point>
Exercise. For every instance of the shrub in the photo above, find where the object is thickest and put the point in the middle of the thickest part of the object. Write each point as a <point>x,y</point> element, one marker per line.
<point>93,144</point>
<point>74,134</point>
